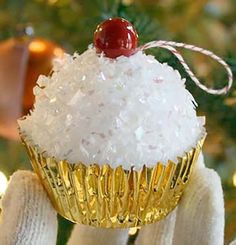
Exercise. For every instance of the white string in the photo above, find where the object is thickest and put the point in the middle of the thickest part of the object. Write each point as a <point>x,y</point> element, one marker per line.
<point>170,46</point>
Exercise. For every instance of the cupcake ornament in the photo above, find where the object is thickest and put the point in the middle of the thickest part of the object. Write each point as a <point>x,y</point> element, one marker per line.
<point>114,134</point>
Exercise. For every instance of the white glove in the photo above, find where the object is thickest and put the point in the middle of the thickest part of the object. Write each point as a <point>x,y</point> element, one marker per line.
<point>27,215</point>
<point>29,219</point>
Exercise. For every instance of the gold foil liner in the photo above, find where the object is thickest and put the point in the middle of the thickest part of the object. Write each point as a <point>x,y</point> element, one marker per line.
<point>103,196</point>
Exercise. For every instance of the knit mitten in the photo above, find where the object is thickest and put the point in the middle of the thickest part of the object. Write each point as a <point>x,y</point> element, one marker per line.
<point>87,235</point>
<point>27,217</point>
<point>199,217</point>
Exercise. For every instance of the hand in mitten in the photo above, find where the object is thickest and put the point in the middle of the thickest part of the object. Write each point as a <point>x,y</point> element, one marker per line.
<point>29,218</point>
<point>27,215</point>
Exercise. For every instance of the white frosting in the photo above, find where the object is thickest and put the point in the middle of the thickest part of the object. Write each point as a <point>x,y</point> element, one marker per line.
<point>124,111</point>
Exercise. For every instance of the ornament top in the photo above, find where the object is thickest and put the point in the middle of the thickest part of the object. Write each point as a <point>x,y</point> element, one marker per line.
<point>127,111</point>
<point>114,104</point>
<point>115,37</point>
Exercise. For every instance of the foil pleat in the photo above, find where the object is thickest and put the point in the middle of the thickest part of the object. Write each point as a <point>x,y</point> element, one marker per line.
<point>103,196</point>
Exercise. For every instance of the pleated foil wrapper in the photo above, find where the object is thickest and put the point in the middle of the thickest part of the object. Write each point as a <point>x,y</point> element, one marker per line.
<point>108,197</point>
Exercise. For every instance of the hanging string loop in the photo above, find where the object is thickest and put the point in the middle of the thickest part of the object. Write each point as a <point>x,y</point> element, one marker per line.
<point>170,45</point>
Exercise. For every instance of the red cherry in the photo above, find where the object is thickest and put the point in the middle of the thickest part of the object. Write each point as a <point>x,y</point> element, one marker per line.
<point>115,37</point>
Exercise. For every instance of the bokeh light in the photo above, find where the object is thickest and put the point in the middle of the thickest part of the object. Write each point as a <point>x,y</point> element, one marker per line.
<point>3,183</point>
<point>234,179</point>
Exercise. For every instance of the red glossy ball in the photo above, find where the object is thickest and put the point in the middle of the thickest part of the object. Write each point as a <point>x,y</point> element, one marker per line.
<point>115,37</point>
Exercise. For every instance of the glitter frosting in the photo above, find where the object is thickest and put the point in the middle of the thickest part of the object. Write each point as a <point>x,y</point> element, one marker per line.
<point>125,111</point>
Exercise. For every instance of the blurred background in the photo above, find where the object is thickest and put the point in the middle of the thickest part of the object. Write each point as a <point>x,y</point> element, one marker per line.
<point>34,32</point>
